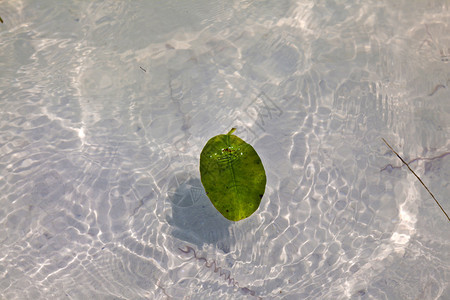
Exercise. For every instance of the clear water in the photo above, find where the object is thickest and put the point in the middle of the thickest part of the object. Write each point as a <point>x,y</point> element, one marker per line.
<point>106,105</point>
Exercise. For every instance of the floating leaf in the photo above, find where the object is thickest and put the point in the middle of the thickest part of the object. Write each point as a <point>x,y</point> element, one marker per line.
<point>233,176</point>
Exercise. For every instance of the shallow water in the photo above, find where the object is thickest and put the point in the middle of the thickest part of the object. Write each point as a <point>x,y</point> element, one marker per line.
<point>105,108</point>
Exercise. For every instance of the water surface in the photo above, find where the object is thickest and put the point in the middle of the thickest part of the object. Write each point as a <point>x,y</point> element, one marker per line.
<point>105,107</point>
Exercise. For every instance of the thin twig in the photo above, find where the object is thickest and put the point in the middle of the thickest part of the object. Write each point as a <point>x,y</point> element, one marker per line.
<point>417,178</point>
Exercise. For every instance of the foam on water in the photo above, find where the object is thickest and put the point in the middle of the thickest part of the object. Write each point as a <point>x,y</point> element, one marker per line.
<point>106,106</point>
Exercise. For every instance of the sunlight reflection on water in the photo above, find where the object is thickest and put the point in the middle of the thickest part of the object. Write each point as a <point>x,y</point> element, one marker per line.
<point>106,107</point>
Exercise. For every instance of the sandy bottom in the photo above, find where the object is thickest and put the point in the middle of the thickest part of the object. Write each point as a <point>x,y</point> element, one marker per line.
<point>106,106</point>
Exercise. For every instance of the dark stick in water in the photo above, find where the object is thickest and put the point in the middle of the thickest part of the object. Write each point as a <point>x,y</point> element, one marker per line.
<point>417,178</point>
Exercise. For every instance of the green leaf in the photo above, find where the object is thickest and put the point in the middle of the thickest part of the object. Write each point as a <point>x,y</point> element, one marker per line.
<point>233,176</point>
